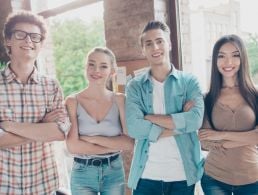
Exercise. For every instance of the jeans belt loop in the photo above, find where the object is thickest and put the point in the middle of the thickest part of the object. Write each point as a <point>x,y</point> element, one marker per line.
<point>109,161</point>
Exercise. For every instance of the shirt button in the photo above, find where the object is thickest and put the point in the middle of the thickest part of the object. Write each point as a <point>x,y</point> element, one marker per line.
<point>145,151</point>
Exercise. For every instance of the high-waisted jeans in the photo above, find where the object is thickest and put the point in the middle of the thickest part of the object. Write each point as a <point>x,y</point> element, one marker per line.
<point>154,187</point>
<point>212,186</point>
<point>108,179</point>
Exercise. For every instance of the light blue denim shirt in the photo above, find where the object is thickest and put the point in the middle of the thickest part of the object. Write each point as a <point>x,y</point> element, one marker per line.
<point>178,89</point>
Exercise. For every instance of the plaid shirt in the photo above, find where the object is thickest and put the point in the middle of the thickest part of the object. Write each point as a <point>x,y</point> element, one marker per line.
<point>30,168</point>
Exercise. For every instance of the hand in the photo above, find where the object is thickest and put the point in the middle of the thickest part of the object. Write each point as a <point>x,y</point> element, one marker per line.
<point>213,145</point>
<point>166,133</point>
<point>148,117</point>
<point>188,106</point>
<point>219,147</point>
<point>5,125</point>
<point>207,134</point>
<point>53,116</point>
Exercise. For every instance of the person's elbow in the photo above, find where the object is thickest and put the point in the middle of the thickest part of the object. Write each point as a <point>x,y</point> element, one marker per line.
<point>197,117</point>
<point>194,125</point>
<point>193,122</point>
<point>131,133</point>
<point>129,143</point>
<point>71,146</point>
<point>130,129</point>
<point>135,135</point>
<point>57,136</point>
<point>130,146</point>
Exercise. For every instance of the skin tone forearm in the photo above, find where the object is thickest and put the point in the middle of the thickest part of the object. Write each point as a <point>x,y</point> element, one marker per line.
<point>11,139</point>
<point>212,145</point>
<point>121,142</point>
<point>44,132</point>
<point>166,121</point>
<point>167,133</point>
<point>75,144</point>
<point>8,140</point>
<point>78,146</point>
<point>232,139</point>
<point>250,137</point>
<point>233,144</point>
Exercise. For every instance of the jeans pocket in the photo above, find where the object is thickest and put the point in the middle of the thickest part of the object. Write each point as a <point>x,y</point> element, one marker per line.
<point>117,164</point>
<point>78,166</point>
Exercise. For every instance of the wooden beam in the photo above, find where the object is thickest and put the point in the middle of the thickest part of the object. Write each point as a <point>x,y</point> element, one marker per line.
<point>67,7</point>
<point>175,33</point>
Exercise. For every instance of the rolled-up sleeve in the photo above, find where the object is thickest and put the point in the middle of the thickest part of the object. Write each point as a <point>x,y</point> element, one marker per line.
<point>138,127</point>
<point>63,122</point>
<point>191,120</point>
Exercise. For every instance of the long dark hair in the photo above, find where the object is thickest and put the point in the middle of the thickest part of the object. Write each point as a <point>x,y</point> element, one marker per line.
<point>246,86</point>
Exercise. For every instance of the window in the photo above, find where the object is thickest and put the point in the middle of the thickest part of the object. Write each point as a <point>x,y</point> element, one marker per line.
<point>208,20</point>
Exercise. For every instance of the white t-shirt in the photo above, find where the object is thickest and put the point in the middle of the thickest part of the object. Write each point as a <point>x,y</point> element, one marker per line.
<point>164,160</point>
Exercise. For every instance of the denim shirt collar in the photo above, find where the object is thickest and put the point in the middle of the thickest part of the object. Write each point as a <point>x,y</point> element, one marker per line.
<point>174,73</point>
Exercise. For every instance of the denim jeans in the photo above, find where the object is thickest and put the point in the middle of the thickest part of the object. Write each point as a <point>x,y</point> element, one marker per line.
<point>153,187</point>
<point>211,186</point>
<point>108,179</point>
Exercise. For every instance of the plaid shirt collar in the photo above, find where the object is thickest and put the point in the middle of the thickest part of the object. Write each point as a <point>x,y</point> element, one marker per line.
<point>10,75</point>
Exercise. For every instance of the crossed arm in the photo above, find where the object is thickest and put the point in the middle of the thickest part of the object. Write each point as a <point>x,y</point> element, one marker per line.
<point>166,121</point>
<point>49,129</point>
<point>16,133</point>
<point>228,139</point>
<point>156,126</point>
<point>77,144</point>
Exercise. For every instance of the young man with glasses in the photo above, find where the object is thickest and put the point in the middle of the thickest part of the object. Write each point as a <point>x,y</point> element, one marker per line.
<point>164,109</point>
<point>32,113</point>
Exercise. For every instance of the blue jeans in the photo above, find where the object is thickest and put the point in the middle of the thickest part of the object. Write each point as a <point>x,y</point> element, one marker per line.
<point>153,187</point>
<point>108,179</point>
<point>211,186</point>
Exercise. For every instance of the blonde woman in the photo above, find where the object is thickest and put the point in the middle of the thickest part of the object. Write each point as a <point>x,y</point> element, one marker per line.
<point>97,135</point>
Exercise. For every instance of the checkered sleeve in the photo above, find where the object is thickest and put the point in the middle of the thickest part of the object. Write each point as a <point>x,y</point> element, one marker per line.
<point>58,103</point>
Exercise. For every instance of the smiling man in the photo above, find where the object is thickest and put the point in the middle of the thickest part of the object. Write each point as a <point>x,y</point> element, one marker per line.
<point>164,109</point>
<point>27,164</point>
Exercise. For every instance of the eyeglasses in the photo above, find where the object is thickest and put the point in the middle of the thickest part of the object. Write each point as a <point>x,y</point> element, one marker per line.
<point>21,35</point>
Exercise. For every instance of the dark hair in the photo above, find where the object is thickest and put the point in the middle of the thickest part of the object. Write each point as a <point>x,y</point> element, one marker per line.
<point>154,24</point>
<point>246,86</point>
<point>23,17</point>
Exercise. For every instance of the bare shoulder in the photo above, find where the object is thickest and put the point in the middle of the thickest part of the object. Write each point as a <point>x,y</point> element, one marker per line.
<point>70,100</point>
<point>120,98</point>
